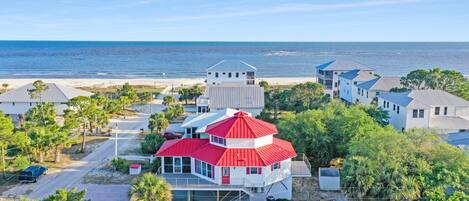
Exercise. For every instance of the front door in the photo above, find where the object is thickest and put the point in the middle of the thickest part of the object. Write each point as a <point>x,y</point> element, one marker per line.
<point>177,165</point>
<point>225,178</point>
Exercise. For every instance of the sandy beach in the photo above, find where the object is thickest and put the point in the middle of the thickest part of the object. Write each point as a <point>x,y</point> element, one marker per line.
<point>175,82</point>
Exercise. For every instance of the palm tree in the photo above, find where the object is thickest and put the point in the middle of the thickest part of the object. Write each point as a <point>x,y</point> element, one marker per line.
<point>158,122</point>
<point>150,188</point>
<point>168,100</point>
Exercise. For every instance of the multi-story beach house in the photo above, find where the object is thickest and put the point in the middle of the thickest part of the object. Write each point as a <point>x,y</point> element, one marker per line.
<point>240,160</point>
<point>368,91</point>
<point>231,72</point>
<point>348,83</point>
<point>432,109</point>
<point>195,125</point>
<point>328,74</point>
<point>17,102</point>
<point>231,84</point>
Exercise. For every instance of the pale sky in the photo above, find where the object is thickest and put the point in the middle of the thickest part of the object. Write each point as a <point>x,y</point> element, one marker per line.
<point>237,20</point>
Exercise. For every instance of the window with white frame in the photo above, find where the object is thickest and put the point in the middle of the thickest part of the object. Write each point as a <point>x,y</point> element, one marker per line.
<point>204,169</point>
<point>218,140</point>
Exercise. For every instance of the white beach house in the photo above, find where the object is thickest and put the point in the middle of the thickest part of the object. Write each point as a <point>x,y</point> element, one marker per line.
<point>348,83</point>
<point>433,109</point>
<point>240,160</point>
<point>328,73</point>
<point>368,91</point>
<point>18,101</point>
<point>231,85</point>
<point>195,125</point>
<point>231,72</point>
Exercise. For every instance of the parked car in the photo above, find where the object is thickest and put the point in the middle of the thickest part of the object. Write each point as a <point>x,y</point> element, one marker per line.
<point>32,173</point>
<point>171,135</point>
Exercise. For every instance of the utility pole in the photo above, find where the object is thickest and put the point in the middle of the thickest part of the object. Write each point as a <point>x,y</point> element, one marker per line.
<point>115,145</point>
<point>3,162</point>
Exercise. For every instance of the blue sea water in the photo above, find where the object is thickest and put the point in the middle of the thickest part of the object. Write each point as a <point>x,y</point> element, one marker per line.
<point>74,59</point>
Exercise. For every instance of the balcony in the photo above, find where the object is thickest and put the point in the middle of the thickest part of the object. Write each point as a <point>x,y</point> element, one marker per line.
<point>300,166</point>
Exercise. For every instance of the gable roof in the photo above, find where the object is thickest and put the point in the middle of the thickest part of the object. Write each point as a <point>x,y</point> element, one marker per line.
<point>232,65</point>
<point>342,65</point>
<point>425,98</point>
<point>358,75</point>
<point>55,93</point>
<point>241,125</point>
<point>201,121</point>
<point>234,96</point>
<point>381,83</point>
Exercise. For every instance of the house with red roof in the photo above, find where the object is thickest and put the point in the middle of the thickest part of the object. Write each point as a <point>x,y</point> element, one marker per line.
<point>240,158</point>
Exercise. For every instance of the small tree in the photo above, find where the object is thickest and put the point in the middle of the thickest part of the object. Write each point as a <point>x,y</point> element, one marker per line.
<point>42,115</point>
<point>82,107</point>
<point>168,100</point>
<point>148,187</point>
<point>151,143</point>
<point>6,137</point>
<point>128,91</point>
<point>184,94</point>
<point>146,97</point>
<point>195,92</point>
<point>158,122</point>
<point>174,111</point>
<point>36,93</point>
<point>64,195</point>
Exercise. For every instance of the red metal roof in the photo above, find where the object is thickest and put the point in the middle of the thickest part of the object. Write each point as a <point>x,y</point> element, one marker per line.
<point>181,147</point>
<point>200,149</point>
<point>241,125</point>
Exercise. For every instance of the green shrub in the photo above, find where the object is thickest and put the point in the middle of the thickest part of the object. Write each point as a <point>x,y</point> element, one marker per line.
<point>151,143</point>
<point>20,162</point>
<point>120,165</point>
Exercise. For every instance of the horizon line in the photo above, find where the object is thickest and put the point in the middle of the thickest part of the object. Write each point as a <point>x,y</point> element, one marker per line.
<point>230,41</point>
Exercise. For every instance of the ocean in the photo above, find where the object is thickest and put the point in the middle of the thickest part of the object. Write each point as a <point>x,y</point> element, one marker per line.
<point>82,59</point>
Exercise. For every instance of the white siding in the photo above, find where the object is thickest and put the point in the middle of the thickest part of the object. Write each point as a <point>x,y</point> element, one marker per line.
<point>238,175</point>
<point>224,78</point>
<point>345,90</point>
<point>395,119</point>
<point>22,108</point>
<point>249,143</point>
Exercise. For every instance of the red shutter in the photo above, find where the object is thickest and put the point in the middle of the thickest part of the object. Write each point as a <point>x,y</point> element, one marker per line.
<point>272,167</point>
<point>195,165</point>
<point>247,170</point>
<point>279,165</point>
<point>259,170</point>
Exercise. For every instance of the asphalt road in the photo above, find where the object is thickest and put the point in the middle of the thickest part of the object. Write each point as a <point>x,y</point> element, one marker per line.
<point>128,129</point>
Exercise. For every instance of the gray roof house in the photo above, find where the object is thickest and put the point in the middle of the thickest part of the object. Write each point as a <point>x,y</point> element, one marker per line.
<point>328,73</point>
<point>432,109</point>
<point>231,71</point>
<point>349,80</point>
<point>18,101</point>
<point>367,91</point>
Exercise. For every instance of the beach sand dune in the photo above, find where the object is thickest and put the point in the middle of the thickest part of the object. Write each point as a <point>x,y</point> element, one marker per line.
<point>169,82</point>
